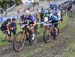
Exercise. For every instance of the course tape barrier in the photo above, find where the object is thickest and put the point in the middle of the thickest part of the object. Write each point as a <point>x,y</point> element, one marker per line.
<point>2,19</point>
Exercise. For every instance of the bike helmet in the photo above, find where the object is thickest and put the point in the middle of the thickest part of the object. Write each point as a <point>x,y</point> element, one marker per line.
<point>51,6</point>
<point>46,11</point>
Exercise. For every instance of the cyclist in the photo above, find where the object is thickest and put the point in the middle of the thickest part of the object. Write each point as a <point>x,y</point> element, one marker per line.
<point>41,17</point>
<point>32,21</point>
<point>46,15</point>
<point>56,9</point>
<point>59,9</point>
<point>54,19</point>
<point>4,28</point>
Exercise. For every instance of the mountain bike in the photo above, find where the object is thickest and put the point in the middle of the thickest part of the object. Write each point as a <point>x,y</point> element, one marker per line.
<point>47,32</point>
<point>23,36</point>
<point>50,32</point>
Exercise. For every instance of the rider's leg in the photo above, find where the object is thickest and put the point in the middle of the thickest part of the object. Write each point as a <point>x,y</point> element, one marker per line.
<point>55,24</point>
<point>14,33</point>
<point>4,36</point>
<point>9,36</point>
<point>33,31</point>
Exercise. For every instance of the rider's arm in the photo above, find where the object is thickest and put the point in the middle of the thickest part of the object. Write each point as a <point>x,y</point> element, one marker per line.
<point>34,20</point>
<point>34,23</point>
<point>20,20</point>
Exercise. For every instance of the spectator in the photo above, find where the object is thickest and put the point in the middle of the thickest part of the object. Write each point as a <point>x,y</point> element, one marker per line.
<point>5,29</point>
<point>14,27</point>
<point>41,17</point>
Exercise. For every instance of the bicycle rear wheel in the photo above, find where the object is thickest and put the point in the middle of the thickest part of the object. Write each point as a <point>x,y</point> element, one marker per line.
<point>55,33</point>
<point>19,41</point>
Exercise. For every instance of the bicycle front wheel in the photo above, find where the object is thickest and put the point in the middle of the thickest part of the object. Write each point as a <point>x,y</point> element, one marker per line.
<point>46,36</point>
<point>33,38</point>
<point>19,41</point>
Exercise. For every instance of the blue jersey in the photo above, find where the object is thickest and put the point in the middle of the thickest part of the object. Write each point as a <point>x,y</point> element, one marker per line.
<point>55,12</point>
<point>31,18</point>
<point>13,25</point>
<point>4,26</point>
<point>54,18</point>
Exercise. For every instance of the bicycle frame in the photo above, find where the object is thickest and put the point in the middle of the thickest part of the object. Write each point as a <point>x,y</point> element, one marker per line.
<point>55,28</point>
<point>27,31</point>
<point>48,26</point>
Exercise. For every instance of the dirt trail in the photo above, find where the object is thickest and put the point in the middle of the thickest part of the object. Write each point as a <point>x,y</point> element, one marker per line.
<point>64,40</point>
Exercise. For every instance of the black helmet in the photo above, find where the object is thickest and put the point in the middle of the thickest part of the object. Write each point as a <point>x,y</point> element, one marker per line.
<point>13,19</point>
<point>8,20</point>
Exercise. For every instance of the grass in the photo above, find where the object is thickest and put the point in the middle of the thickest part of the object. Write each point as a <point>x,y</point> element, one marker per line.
<point>62,25</point>
<point>69,51</point>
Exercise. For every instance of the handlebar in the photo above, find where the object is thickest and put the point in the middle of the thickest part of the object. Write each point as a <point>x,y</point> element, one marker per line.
<point>46,23</point>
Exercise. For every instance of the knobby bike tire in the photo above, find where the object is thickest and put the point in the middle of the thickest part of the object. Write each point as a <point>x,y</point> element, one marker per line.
<point>46,37</point>
<point>54,34</point>
<point>33,42</point>
<point>19,48</point>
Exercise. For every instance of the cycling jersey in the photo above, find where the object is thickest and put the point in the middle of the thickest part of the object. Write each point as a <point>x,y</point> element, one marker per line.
<point>54,18</point>
<point>55,12</point>
<point>13,25</point>
<point>27,20</point>
<point>4,26</point>
<point>30,18</point>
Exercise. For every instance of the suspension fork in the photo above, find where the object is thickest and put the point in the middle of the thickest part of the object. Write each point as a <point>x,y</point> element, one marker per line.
<point>47,28</point>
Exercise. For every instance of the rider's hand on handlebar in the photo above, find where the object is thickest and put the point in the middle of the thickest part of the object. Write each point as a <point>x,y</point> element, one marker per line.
<point>12,28</point>
<point>28,27</point>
